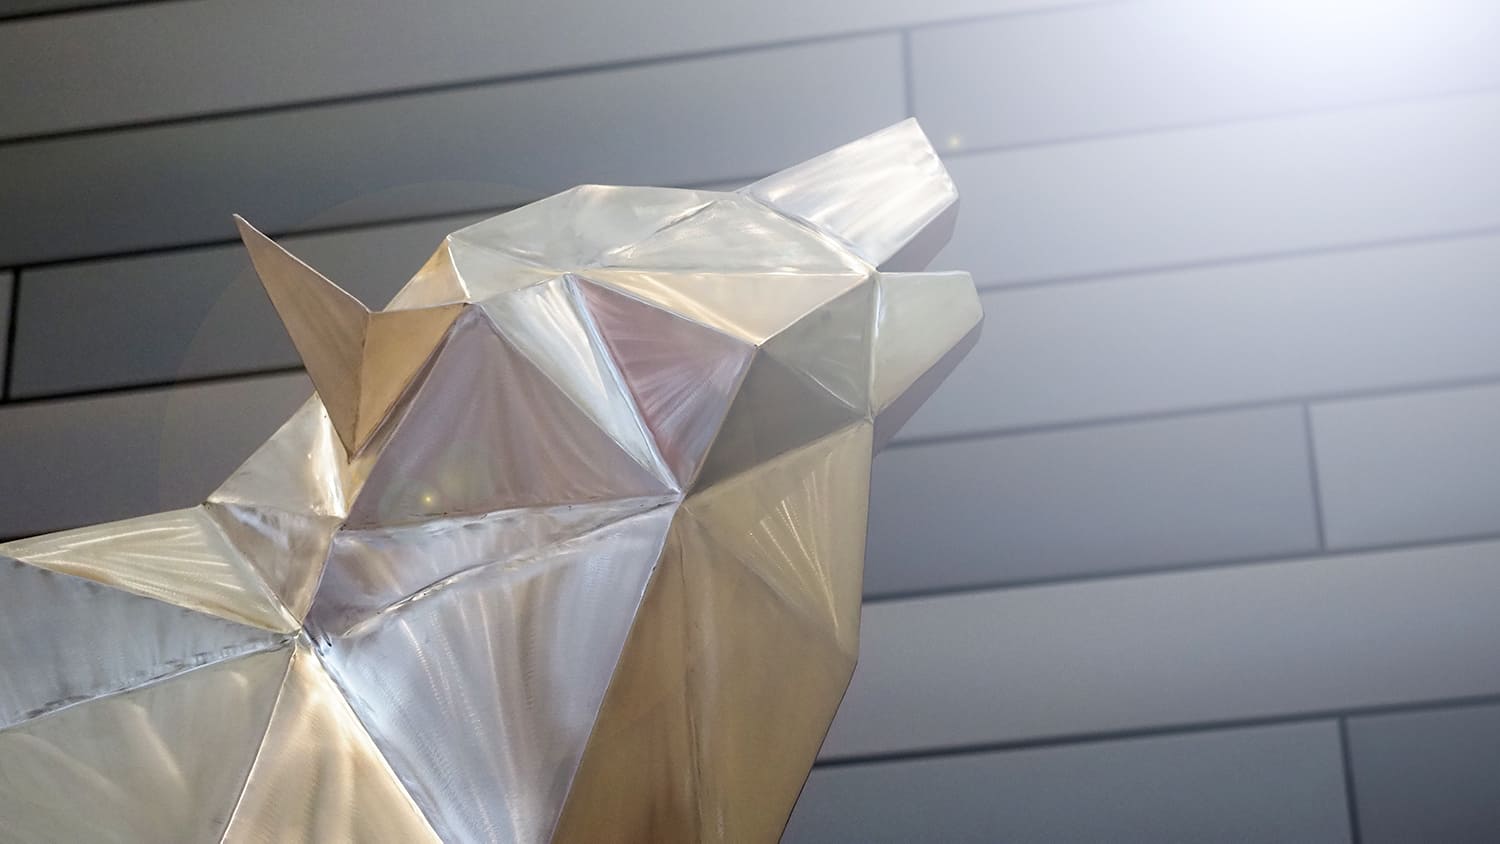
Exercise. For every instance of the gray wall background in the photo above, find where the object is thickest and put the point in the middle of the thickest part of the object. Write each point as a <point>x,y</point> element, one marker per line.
<point>1202,543</point>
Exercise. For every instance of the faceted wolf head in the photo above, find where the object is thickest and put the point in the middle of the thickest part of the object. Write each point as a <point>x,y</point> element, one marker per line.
<point>568,546</point>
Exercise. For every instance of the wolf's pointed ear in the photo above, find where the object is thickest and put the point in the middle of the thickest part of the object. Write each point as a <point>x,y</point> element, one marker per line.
<point>326,324</point>
<point>886,196</point>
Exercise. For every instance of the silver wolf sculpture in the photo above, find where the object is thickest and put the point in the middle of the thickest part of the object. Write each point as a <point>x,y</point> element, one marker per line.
<point>567,547</point>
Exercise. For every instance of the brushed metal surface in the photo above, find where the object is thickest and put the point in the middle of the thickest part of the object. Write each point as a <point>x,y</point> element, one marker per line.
<point>183,557</point>
<point>569,546</point>
<point>318,776</point>
<point>65,639</point>
<point>160,763</point>
<point>876,195</point>
<point>481,689</point>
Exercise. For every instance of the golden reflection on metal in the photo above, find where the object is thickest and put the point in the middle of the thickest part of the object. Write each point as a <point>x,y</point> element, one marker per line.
<point>318,777</point>
<point>568,547</point>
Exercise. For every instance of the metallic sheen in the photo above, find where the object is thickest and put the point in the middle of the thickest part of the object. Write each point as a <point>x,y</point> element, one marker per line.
<point>568,547</point>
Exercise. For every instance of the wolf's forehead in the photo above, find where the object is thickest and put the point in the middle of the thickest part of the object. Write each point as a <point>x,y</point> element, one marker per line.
<point>600,226</point>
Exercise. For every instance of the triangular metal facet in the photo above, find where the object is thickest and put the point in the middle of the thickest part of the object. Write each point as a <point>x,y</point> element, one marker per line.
<point>488,273</point>
<point>549,325</point>
<point>180,557</point>
<point>831,345</point>
<point>878,195</point>
<point>754,741</point>
<point>508,698</point>
<point>919,318</point>
<point>798,522</point>
<point>326,324</point>
<point>436,283</point>
<point>682,374</point>
<point>759,425</point>
<point>924,325</point>
<point>160,763</point>
<point>749,306</point>
<point>637,777</point>
<point>287,549</point>
<point>318,777</point>
<point>48,620</point>
<point>486,431</point>
<point>397,345</point>
<point>371,570</point>
<point>571,229</point>
<point>302,467</point>
<point>730,235</point>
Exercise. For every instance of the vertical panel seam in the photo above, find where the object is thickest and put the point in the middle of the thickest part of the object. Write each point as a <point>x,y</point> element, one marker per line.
<point>10,334</point>
<point>1312,476</point>
<point>1350,796</point>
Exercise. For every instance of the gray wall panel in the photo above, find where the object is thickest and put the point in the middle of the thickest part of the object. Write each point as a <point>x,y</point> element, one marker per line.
<point>78,461</point>
<point>1373,319</point>
<point>1247,642</point>
<point>1228,191</point>
<point>1090,501</point>
<point>674,123</point>
<point>1269,784</point>
<point>1410,468</point>
<point>1161,63</point>
<point>126,65</point>
<point>190,313</point>
<point>1428,776</point>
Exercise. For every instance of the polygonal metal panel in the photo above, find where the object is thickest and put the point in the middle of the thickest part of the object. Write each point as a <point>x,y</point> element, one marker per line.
<point>682,374</point>
<point>182,557</point>
<point>163,762</point>
<point>318,776</point>
<point>64,639</point>
<point>487,431</point>
<point>482,688</point>
<point>750,306</point>
<point>795,523</point>
<point>829,345</point>
<point>301,468</point>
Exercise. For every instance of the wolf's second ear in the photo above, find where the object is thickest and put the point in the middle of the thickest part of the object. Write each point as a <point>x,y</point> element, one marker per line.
<point>326,324</point>
<point>360,362</point>
<point>886,196</point>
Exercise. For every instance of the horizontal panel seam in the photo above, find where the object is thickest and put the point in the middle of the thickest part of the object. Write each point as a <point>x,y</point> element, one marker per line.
<point>988,289</point>
<point>1313,398</point>
<point>400,93</point>
<point>1001,433</point>
<point>337,228</point>
<point>1266,256</point>
<point>152,386</point>
<point>524,76</point>
<point>1329,716</point>
<point>1310,556</point>
<point>902,32</point>
<point>77,9</point>
<point>1188,126</point>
